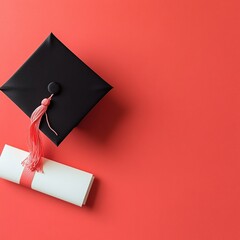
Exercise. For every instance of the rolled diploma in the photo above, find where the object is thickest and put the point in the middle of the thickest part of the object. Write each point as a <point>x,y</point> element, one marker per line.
<point>58,180</point>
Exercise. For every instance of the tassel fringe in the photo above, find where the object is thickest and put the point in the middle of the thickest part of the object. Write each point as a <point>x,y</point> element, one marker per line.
<point>34,161</point>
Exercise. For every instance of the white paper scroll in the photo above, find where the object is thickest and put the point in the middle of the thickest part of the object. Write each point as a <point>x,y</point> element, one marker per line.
<point>58,180</point>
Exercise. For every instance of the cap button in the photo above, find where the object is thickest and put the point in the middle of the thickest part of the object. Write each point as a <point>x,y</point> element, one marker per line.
<point>54,87</point>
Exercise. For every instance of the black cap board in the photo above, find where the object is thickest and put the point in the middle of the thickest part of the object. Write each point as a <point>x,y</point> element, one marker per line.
<point>54,69</point>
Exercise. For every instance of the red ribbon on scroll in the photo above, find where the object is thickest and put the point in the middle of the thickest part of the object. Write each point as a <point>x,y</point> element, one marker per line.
<point>27,177</point>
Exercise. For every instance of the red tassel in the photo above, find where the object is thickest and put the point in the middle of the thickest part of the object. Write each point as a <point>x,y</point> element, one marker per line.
<point>34,160</point>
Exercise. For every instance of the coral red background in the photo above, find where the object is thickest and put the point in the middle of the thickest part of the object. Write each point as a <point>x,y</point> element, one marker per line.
<point>164,144</point>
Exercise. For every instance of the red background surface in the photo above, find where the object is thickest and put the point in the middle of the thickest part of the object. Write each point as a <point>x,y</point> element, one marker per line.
<point>163,144</point>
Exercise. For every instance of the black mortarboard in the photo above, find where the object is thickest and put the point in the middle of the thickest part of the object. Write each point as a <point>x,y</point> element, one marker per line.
<point>77,87</point>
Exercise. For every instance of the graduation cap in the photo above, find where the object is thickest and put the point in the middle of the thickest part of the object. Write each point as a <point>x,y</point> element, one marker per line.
<point>53,82</point>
